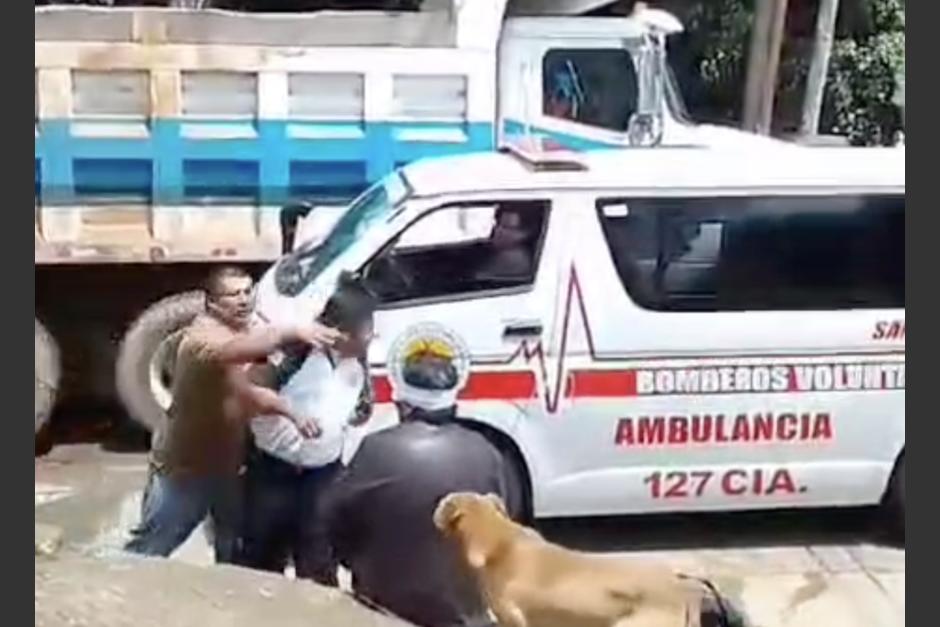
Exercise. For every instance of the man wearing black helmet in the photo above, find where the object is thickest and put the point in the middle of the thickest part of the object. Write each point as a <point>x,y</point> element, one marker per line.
<point>380,511</point>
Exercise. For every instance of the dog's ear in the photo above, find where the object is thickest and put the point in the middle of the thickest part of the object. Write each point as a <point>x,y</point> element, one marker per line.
<point>446,514</point>
<point>498,503</point>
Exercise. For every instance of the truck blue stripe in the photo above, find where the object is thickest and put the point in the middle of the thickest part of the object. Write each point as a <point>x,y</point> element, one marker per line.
<point>271,166</point>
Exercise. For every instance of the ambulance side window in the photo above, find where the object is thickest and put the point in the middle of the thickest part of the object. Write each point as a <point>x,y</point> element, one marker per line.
<point>842,251</point>
<point>460,251</point>
<point>592,86</point>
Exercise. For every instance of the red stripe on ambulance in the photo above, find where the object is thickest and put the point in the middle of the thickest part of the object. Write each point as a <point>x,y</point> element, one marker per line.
<point>601,384</point>
<point>512,385</point>
<point>520,385</point>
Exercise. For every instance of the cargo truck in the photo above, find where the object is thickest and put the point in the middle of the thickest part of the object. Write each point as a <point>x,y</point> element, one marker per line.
<point>169,140</point>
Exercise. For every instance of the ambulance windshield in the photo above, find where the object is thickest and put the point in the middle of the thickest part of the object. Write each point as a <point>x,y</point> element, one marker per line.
<point>298,269</point>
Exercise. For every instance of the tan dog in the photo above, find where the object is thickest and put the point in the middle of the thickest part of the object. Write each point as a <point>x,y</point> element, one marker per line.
<point>529,582</point>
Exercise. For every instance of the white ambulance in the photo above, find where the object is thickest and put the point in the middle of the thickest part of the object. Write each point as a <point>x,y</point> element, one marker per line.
<point>647,330</point>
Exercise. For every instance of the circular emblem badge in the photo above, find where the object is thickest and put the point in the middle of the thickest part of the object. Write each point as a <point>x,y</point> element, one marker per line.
<point>428,339</point>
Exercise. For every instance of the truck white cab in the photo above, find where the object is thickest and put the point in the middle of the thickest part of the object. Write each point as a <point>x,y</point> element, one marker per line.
<point>668,329</point>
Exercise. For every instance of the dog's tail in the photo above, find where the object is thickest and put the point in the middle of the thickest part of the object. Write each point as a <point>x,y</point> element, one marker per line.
<point>683,601</point>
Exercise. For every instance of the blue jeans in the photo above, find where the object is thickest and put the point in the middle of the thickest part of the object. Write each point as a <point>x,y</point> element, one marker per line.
<point>174,506</point>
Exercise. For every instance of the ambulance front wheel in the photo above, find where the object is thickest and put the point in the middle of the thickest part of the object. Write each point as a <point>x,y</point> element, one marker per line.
<point>519,499</point>
<point>897,499</point>
<point>516,473</point>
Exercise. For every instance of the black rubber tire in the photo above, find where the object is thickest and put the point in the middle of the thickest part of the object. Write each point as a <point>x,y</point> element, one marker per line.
<point>140,343</point>
<point>519,485</point>
<point>897,499</point>
<point>519,497</point>
<point>48,371</point>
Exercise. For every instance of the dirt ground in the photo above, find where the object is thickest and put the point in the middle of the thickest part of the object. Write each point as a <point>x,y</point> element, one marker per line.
<point>74,590</point>
<point>87,499</point>
<point>804,569</point>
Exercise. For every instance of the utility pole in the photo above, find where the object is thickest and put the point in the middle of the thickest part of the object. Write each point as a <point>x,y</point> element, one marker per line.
<point>819,66</point>
<point>763,63</point>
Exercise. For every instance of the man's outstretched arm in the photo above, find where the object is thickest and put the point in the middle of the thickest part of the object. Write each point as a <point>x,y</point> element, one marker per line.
<point>257,344</point>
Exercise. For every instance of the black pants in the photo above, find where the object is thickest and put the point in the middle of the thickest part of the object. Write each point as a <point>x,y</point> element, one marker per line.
<point>284,519</point>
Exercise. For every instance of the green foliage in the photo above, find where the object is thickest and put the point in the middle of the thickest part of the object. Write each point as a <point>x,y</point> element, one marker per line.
<point>886,15</point>
<point>717,44</point>
<point>865,76</point>
<point>865,79</point>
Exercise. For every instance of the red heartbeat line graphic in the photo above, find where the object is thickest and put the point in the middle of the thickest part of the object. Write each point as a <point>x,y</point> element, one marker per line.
<point>552,392</point>
<point>523,385</point>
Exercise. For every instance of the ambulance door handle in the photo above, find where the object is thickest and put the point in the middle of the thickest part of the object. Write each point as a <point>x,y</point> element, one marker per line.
<point>523,328</point>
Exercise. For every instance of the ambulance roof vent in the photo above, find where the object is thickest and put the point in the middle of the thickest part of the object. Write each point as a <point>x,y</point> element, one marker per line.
<point>543,155</point>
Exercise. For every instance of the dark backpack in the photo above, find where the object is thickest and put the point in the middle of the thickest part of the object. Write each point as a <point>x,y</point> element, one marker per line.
<point>293,357</point>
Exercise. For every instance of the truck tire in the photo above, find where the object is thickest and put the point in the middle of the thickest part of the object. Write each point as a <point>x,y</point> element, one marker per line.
<point>145,362</point>
<point>48,371</point>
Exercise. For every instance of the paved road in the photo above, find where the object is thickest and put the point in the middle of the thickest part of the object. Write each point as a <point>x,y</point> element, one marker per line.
<point>805,569</point>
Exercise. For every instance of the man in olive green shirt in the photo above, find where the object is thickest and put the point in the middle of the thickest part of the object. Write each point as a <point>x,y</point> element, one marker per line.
<point>197,455</point>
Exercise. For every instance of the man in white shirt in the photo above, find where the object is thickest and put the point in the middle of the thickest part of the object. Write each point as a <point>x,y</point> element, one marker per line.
<point>289,472</point>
